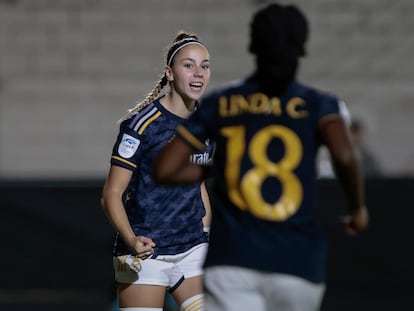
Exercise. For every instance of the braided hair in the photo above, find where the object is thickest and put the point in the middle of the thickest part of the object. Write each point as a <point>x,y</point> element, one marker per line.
<point>182,39</point>
<point>277,37</point>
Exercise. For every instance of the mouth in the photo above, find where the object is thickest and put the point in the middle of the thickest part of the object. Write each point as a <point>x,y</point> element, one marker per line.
<point>197,85</point>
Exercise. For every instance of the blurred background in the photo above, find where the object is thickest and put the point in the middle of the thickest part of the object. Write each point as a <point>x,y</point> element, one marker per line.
<point>69,69</point>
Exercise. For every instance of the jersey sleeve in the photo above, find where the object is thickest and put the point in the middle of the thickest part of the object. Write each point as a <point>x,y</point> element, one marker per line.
<point>330,108</point>
<point>127,148</point>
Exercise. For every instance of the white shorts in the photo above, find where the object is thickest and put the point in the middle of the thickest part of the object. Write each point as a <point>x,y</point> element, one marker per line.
<point>163,270</point>
<point>230,288</point>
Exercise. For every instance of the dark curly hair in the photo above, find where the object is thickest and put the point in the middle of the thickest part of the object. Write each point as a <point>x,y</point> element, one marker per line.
<point>277,37</point>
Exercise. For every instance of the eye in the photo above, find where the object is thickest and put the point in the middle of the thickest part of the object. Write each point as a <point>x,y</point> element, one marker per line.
<point>206,66</point>
<point>188,65</point>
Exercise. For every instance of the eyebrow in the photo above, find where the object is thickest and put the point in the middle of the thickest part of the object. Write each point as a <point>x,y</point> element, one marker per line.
<point>193,60</point>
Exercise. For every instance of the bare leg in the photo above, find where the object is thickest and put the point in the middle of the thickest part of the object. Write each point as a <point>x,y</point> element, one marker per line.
<point>188,288</point>
<point>141,295</point>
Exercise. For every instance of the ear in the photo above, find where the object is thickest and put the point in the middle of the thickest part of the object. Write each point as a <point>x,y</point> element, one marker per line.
<point>169,74</point>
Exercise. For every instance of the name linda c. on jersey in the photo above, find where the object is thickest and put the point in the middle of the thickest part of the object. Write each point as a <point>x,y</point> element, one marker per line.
<point>260,103</point>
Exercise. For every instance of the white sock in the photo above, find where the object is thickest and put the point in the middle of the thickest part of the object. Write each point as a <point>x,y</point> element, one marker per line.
<point>195,303</point>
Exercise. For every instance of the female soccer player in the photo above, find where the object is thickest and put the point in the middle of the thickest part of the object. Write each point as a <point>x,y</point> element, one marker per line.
<point>160,242</point>
<point>266,250</point>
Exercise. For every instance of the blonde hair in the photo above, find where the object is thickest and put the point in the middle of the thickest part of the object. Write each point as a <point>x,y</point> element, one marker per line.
<point>181,38</point>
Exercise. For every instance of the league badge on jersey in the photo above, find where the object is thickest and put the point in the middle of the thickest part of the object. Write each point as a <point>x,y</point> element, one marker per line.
<point>128,146</point>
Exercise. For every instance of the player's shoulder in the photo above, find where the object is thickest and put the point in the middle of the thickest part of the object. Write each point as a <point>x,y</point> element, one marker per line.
<point>313,93</point>
<point>142,119</point>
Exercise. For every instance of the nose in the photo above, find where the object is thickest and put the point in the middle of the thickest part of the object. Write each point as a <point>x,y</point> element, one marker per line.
<point>198,72</point>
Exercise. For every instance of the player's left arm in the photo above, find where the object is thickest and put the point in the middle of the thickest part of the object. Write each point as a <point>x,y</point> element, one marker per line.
<point>172,166</point>
<point>346,162</point>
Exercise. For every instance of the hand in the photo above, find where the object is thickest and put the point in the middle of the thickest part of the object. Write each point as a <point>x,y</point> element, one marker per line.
<point>357,221</point>
<point>142,246</point>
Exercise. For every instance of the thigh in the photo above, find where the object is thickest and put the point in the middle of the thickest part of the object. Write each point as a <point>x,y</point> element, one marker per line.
<point>232,288</point>
<point>186,278</point>
<point>149,296</point>
<point>291,293</point>
<point>188,288</point>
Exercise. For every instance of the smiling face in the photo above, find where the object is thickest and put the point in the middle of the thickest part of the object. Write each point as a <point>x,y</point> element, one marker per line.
<point>189,72</point>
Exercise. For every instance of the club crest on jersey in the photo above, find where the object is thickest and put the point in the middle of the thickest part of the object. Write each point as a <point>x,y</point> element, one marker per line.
<point>128,146</point>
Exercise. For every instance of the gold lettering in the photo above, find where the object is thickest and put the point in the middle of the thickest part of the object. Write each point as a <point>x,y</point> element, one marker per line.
<point>293,108</point>
<point>238,104</point>
<point>275,106</point>
<point>259,103</point>
<point>223,109</point>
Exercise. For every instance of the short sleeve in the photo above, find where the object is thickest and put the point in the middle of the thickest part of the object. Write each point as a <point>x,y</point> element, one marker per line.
<point>329,108</point>
<point>127,148</point>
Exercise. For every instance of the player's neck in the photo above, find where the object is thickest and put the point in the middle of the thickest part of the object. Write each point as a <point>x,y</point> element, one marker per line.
<point>175,104</point>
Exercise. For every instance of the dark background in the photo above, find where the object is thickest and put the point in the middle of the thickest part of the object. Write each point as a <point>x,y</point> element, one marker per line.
<point>56,247</point>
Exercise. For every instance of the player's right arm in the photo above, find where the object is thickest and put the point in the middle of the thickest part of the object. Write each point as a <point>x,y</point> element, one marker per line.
<point>335,135</point>
<point>112,204</point>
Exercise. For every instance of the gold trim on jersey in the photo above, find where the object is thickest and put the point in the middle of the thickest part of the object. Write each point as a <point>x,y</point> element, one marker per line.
<point>190,138</point>
<point>144,126</point>
<point>125,161</point>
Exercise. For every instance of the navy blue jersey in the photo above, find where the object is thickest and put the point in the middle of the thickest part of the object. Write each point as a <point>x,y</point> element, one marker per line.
<point>170,215</point>
<point>264,192</point>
